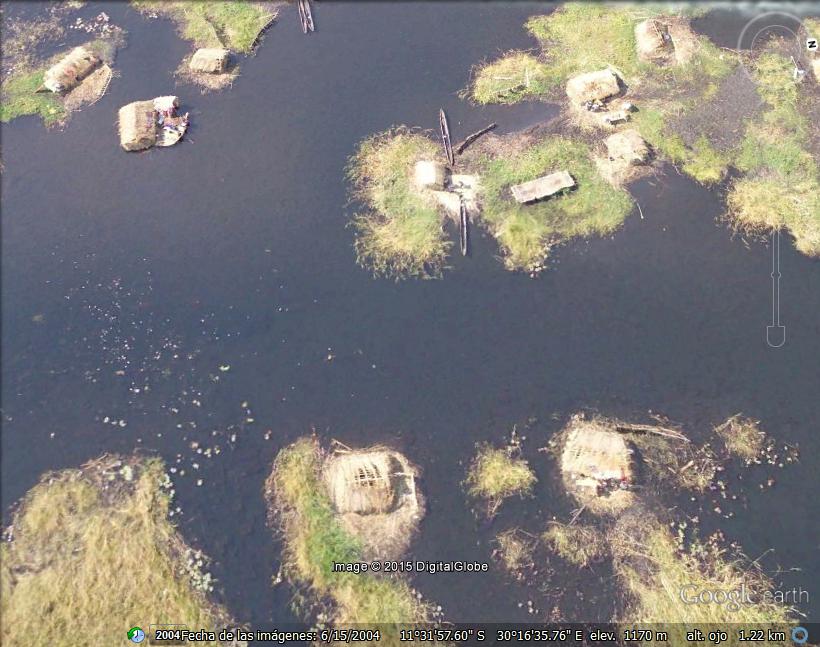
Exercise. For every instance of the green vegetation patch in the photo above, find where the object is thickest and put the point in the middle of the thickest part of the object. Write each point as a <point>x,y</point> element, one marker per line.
<point>512,78</point>
<point>579,545</point>
<point>94,548</point>
<point>661,575</point>
<point>400,232</point>
<point>314,540</point>
<point>781,188</point>
<point>742,437</point>
<point>525,232</point>
<point>497,474</point>
<point>19,97</point>
<point>209,23</point>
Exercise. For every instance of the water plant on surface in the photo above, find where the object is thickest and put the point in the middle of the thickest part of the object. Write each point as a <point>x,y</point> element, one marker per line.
<point>497,474</point>
<point>314,540</point>
<point>103,534</point>
<point>399,234</point>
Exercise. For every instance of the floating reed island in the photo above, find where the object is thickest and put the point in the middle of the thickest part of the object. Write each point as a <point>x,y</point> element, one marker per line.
<point>65,83</point>
<point>705,109</point>
<point>529,190</point>
<point>614,470</point>
<point>219,32</point>
<point>341,507</point>
<point>92,544</point>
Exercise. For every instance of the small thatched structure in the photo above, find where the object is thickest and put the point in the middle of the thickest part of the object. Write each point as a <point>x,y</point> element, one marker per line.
<point>138,125</point>
<point>431,175</point>
<point>542,187</point>
<point>597,465</point>
<point>627,146</point>
<point>653,41</point>
<point>815,68</point>
<point>373,492</point>
<point>210,60</point>
<point>593,87</point>
<point>70,70</point>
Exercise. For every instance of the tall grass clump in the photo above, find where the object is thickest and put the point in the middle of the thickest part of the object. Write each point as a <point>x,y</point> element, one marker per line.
<point>215,23</point>
<point>512,78</point>
<point>525,232</point>
<point>399,233</point>
<point>579,545</point>
<point>742,437</point>
<point>497,474</point>
<point>661,576</point>
<point>314,540</point>
<point>94,551</point>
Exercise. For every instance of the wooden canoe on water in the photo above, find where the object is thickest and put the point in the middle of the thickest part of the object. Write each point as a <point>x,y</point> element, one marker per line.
<point>445,136</point>
<point>464,229</point>
<point>305,16</point>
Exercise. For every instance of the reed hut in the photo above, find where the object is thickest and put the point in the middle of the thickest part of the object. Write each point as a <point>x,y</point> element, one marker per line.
<point>593,87</point>
<point>70,70</point>
<point>431,175</point>
<point>627,147</point>
<point>138,125</point>
<point>597,465</point>
<point>653,42</point>
<point>374,495</point>
<point>210,60</point>
<point>542,187</point>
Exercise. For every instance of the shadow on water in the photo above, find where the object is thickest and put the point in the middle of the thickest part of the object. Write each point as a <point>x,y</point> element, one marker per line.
<point>196,293</point>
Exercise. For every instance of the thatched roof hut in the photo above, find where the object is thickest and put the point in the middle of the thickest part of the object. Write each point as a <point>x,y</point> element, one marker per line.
<point>653,41</point>
<point>210,60</point>
<point>593,86</point>
<point>363,482</point>
<point>627,146</point>
<point>542,187</point>
<point>70,70</point>
<point>431,175</point>
<point>597,465</point>
<point>373,492</point>
<point>138,125</point>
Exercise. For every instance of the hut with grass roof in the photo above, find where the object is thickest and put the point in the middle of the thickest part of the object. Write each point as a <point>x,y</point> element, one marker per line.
<point>138,125</point>
<point>593,87</point>
<point>597,464</point>
<point>210,60</point>
<point>542,187</point>
<point>627,147</point>
<point>70,70</point>
<point>374,495</point>
<point>652,40</point>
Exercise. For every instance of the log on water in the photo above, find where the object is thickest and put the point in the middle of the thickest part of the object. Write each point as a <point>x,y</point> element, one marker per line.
<point>469,139</point>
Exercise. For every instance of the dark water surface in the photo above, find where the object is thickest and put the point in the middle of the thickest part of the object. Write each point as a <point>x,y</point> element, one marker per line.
<point>130,279</point>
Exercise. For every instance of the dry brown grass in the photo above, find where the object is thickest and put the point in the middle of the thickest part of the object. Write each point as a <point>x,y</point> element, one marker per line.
<point>742,437</point>
<point>579,545</point>
<point>96,550</point>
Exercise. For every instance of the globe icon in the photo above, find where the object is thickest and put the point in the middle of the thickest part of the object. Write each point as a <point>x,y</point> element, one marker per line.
<point>136,635</point>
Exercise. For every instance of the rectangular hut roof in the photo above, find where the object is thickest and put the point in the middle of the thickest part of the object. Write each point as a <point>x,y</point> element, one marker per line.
<point>542,187</point>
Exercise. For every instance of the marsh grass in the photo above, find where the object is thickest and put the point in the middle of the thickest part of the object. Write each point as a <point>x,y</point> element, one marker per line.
<point>314,540</point>
<point>579,545</point>
<point>235,25</point>
<point>18,97</point>
<point>97,552</point>
<point>742,437</point>
<point>781,188</point>
<point>526,232</point>
<point>514,549</point>
<point>497,474</point>
<point>399,234</point>
<point>654,567</point>
<point>512,78</point>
